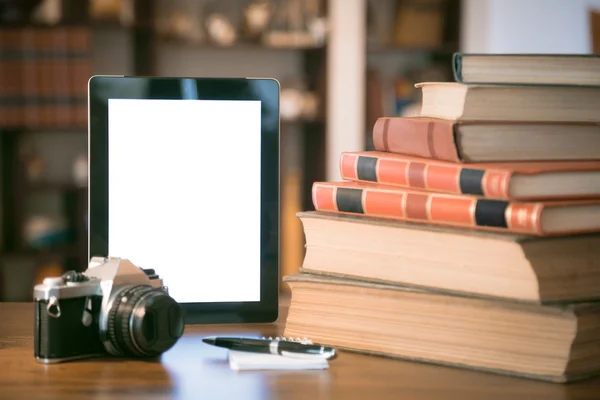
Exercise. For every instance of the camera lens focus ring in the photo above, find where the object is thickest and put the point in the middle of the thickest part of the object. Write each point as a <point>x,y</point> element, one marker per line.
<point>121,310</point>
<point>144,321</point>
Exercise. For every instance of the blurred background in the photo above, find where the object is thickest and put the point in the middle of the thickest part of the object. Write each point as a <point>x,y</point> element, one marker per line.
<point>341,63</point>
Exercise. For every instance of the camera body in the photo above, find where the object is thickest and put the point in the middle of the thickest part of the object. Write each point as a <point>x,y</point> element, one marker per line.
<point>113,307</point>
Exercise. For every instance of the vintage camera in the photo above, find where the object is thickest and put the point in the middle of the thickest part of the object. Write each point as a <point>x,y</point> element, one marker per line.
<point>113,307</point>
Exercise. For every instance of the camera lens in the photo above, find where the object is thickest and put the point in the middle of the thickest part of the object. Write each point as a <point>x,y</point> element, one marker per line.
<point>143,321</point>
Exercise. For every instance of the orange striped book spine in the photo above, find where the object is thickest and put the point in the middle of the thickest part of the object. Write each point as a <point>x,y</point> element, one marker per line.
<point>425,174</point>
<point>427,207</point>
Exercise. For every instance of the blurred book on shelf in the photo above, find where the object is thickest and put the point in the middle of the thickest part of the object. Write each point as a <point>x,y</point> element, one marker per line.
<point>375,97</point>
<point>43,77</point>
<point>420,23</point>
<point>594,16</point>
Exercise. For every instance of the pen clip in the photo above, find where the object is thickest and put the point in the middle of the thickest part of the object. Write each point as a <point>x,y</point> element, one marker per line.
<point>289,339</point>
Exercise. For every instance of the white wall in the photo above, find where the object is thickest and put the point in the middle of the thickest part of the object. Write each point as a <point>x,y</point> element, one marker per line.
<point>527,26</point>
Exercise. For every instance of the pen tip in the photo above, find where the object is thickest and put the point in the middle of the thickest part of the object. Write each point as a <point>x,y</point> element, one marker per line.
<point>209,340</point>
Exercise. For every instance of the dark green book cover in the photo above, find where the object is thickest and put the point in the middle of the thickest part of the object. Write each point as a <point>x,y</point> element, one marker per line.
<point>457,66</point>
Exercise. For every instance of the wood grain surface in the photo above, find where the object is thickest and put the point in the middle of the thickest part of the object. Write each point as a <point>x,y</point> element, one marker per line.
<point>193,370</point>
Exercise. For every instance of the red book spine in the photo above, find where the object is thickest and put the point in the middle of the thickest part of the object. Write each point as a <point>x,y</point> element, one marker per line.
<point>426,207</point>
<point>437,177</point>
<point>29,79</point>
<point>417,136</point>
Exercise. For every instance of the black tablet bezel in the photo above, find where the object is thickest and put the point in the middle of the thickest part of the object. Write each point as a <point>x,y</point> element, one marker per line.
<point>103,88</point>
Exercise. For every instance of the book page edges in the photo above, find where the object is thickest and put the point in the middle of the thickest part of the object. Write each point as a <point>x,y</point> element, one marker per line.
<point>505,236</point>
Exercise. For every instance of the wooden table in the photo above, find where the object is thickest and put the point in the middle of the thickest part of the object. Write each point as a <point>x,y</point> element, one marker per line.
<point>193,370</point>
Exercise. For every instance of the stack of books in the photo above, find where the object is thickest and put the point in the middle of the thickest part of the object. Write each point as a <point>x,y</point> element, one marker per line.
<point>470,237</point>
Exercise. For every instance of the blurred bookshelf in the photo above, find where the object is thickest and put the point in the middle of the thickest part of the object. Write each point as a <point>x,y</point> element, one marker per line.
<point>43,123</point>
<point>48,52</point>
<point>446,49</point>
<point>253,46</point>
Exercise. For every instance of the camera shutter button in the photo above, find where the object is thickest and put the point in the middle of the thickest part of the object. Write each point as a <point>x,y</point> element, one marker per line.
<point>75,277</point>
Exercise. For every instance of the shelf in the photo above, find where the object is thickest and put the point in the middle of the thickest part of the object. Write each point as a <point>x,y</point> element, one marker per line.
<point>234,47</point>
<point>91,24</point>
<point>116,25</point>
<point>55,186</point>
<point>383,49</point>
<point>32,25</point>
<point>300,122</point>
<point>50,129</point>
<point>61,251</point>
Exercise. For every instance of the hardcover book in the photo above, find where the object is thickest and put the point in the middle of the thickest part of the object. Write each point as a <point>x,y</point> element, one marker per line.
<point>528,69</point>
<point>487,141</point>
<point>474,102</point>
<point>506,181</point>
<point>558,343</point>
<point>453,260</point>
<point>533,218</point>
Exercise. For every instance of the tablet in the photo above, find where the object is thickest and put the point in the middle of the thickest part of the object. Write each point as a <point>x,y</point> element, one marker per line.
<point>184,179</point>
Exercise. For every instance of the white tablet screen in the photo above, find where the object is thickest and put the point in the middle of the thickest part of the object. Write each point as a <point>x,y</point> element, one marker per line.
<point>184,194</point>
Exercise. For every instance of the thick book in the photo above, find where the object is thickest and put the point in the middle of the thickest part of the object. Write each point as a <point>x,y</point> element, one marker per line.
<point>528,69</point>
<point>454,260</point>
<point>506,181</point>
<point>485,141</point>
<point>558,343</point>
<point>474,102</point>
<point>533,218</point>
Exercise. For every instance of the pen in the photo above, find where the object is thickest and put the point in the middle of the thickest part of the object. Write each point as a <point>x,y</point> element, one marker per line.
<point>281,347</point>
